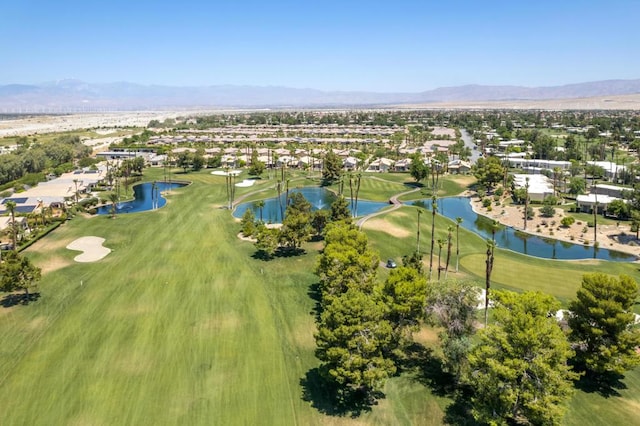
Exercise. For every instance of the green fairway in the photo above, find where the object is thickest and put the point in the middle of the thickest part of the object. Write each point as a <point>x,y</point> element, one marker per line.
<point>181,325</point>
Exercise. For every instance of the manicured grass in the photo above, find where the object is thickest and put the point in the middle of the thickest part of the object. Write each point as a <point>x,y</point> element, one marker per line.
<point>181,325</point>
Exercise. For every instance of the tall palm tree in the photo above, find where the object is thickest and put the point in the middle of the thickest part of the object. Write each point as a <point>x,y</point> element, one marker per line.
<point>418,232</point>
<point>441,242</point>
<point>11,206</point>
<point>434,209</point>
<point>491,245</point>
<point>526,202</point>
<point>449,237</point>
<point>260,206</point>
<point>358,177</point>
<point>458,222</point>
<point>113,197</point>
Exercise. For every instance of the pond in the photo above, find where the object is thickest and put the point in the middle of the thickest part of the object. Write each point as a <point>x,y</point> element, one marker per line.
<point>144,198</point>
<point>521,242</point>
<point>320,198</point>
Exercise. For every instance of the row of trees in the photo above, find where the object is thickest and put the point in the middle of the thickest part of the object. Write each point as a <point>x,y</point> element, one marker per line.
<point>299,225</point>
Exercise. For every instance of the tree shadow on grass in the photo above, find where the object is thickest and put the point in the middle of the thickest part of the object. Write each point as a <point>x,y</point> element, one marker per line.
<point>18,299</point>
<point>323,396</point>
<point>279,253</point>
<point>314,294</point>
<point>606,385</point>
<point>430,371</point>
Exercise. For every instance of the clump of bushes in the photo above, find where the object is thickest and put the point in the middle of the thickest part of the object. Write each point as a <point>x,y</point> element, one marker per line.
<point>567,221</point>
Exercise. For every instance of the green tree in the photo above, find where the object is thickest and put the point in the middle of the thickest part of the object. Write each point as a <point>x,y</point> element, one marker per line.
<point>352,339</point>
<point>113,198</point>
<point>296,229</point>
<point>197,162</point>
<point>601,324</point>
<point>11,206</point>
<point>458,223</point>
<point>403,293</point>
<point>619,209</point>
<point>577,185</point>
<point>18,273</point>
<point>267,241</point>
<point>319,220</point>
<point>339,210</point>
<point>418,169</point>
<point>257,167</point>
<point>248,223</point>
<point>346,261</point>
<point>332,167</point>
<point>489,171</point>
<point>518,370</point>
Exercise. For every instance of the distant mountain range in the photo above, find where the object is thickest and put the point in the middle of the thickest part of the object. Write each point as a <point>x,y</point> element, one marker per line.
<point>75,95</point>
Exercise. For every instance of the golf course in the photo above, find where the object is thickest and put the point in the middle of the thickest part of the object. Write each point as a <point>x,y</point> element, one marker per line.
<point>180,324</point>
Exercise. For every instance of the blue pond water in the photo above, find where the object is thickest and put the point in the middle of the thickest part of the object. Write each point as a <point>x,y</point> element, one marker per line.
<point>520,242</point>
<point>144,198</point>
<point>319,198</point>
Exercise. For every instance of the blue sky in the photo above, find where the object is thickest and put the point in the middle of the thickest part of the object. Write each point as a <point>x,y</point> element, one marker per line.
<point>372,45</point>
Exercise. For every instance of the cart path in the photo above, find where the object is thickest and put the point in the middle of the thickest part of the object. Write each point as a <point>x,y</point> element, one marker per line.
<point>395,203</point>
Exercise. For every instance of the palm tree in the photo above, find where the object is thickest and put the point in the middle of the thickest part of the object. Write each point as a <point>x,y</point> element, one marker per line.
<point>75,181</point>
<point>113,197</point>
<point>595,215</point>
<point>434,209</point>
<point>11,206</point>
<point>449,236</point>
<point>526,202</point>
<point>418,239</point>
<point>358,177</point>
<point>441,242</point>
<point>260,206</point>
<point>458,222</point>
<point>491,245</point>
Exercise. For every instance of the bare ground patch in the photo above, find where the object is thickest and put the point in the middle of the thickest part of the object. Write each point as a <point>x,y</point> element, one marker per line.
<point>386,227</point>
<point>53,264</point>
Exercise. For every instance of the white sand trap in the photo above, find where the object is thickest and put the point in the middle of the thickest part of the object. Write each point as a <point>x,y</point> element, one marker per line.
<point>245,183</point>
<point>91,248</point>
<point>223,173</point>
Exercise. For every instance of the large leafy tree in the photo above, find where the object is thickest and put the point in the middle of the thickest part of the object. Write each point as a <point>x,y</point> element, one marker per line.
<point>332,169</point>
<point>519,369</point>
<point>601,324</point>
<point>403,292</point>
<point>346,261</point>
<point>18,273</point>
<point>489,171</point>
<point>340,210</point>
<point>352,339</point>
<point>418,169</point>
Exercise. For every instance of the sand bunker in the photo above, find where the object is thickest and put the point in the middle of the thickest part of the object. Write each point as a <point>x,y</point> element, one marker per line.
<point>91,248</point>
<point>245,183</point>
<point>223,173</point>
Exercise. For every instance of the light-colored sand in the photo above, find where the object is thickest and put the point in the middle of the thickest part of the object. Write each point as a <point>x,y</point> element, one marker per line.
<point>245,183</point>
<point>91,248</point>
<point>223,173</point>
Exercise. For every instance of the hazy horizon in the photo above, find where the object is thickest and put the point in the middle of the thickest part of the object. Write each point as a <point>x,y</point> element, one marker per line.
<point>373,46</point>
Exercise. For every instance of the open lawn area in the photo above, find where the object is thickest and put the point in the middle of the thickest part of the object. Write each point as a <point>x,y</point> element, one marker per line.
<point>180,324</point>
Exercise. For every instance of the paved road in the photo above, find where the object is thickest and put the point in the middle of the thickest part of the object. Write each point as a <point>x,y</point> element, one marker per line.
<point>468,141</point>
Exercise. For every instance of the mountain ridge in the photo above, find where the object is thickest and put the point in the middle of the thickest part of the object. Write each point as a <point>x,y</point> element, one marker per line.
<point>72,93</point>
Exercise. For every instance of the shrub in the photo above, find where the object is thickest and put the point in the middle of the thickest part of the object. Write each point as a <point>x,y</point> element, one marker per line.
<point>547,210</point>
<point>486,202</point>
<point>499,192</point>
<point>567,221</point>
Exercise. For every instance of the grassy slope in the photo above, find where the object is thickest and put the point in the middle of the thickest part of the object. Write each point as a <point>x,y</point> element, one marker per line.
<point>181,325</point>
